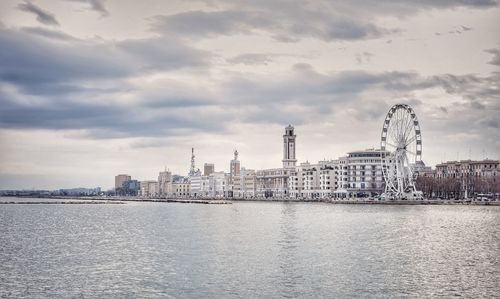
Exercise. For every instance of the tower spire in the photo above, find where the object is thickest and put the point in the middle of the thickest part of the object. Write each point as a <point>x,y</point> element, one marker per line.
<point>192,169</point>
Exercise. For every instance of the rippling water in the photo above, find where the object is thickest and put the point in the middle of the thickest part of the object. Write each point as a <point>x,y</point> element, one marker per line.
<point>248,249</point>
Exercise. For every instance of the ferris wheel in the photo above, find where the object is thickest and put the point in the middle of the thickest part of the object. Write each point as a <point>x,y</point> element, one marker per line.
<point>401,150</point>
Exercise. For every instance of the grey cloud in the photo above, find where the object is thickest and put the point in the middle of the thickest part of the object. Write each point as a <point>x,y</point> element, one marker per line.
<point>42,16</point>
<point>490,122</point>
<point>47,33</point>
<point>28,61</point>
<point>284,20</point>
<point>495,60</point>
<point>201,23</point>
<point>252,59</point>
<point>102,120</point>
<point>302,97</point>
<point>471,87</point>
<point>96,5</point>
<point>364,57</point>
<point>36,63</point>
<point>283,26</point>
<point>64,78</point>
<point>164,53</point>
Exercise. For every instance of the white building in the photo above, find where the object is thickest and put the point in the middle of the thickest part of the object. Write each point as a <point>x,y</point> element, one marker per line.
<point>364,173</point>
<point>274,182</point>
<point>218,184</point>
<point>314,180</point>
<point>148,188</point>
<point>195,184</point>
<point>245,184</point>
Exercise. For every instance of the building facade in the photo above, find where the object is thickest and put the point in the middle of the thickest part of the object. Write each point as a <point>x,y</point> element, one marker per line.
<point>467,178</point>
<point>164,183</point>
<point>245,184</point>
<point>208,168</point>
<point>364,173</point>
<point>120,179</point>
<point>148,188</point>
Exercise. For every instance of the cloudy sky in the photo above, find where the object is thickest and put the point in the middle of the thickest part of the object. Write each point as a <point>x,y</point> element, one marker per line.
<point>93,88</point>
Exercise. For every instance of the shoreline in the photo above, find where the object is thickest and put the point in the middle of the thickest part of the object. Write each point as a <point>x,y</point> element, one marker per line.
<point>123,200</point>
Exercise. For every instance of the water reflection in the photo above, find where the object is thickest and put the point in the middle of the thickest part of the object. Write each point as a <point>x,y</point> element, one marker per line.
<point>287,253</point>
<point>244,250</point>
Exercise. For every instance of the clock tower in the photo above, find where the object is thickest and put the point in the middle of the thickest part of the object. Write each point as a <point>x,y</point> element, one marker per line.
<point>289,160</point>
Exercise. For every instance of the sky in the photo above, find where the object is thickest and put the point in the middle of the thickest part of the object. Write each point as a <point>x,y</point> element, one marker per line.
<point>93,88</point>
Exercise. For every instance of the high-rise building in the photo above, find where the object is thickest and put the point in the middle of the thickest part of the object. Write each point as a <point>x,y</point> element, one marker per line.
<point>364,173</point>
<point>120,179</point>
<point>208,168</point>
<point>130,188</point>
<point>164,183</point>
<point>234,167</point>
<point>289,160</point>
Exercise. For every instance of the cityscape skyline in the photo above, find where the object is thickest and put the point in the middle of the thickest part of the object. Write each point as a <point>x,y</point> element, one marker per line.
<point>88,91</point>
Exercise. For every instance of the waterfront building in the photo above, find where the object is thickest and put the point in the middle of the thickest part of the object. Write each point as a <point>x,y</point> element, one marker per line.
<point>218,184</point>
<point>181,189</point>
<point>421,170</point>
<point>120,179</point>
<point>364,173</point>
<point>328,178</point>
<point>465,178</point>
<point>314,180</point>
<point>274,182</point>
<point>148,188</point>
<point>309,174</point>
<point>295,183</point>
<point>164,183</point>
<point>234,167</point>
<point>245,184</point>
<point>195,184</point>
<point>208,168</point>
<point>80,191</point>
<point>129,188</point>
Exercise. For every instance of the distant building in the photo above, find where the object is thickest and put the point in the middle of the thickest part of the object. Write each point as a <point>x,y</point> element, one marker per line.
<point>208,168</point>
<point>195,181</point>
<point>421,170</point>
<point>234,167</point>
<point>130,188</point>
<point>273,182</point>
<point>245,184</point>
<point>148,188</point>
<point>218,184</point>
<point>120,179</point>
<point>80,191</point>
<point>164,183</point>
<point>181,189</point>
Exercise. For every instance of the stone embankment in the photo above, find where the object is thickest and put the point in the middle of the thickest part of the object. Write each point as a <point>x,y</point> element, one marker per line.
<point>124,199</point>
